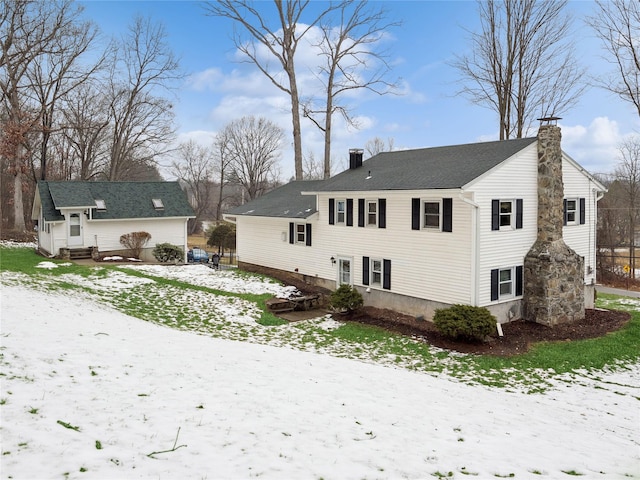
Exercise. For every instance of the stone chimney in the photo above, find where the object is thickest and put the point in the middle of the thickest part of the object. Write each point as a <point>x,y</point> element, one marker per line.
<point>553,273</point>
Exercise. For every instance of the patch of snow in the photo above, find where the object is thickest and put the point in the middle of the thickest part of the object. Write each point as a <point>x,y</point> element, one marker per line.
<point>47,265</point>
<point>226,280</point>
<point>13,244</point>
<point>89,392</point>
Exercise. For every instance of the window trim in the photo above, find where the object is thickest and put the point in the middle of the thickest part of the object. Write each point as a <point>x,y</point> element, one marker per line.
<point>368,213</point>
<point>579,212</point>
<point>445,214</point>
<point>424,214</point>
<point>300,229</point>
<point>368,272</point>
<point>515,216</point>
<point>342,202</point>
<point>515,281</point>
<point>294,233</point>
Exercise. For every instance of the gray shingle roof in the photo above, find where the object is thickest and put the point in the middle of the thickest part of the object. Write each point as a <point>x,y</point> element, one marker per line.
<point>285,202</point>
<point>426,168</point>
<point>122,199</point>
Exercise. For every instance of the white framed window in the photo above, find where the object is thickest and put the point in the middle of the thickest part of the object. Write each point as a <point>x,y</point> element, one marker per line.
<point>372,213</point>
<point>376,271</point>
<point>301,233</point>
<point>571,211</point>
<point>101,205</point>
<point>505,282</point>
<point>157,203</point>
<point>506,213</point>
<point>431,215</point>
<point>340,211</point>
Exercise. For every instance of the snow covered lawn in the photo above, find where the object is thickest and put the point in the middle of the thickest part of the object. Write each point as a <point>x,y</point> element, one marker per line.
<point>90,392</point>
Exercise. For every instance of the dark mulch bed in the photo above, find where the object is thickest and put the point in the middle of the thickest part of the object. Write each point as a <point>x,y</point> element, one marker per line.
<point>518,335</point>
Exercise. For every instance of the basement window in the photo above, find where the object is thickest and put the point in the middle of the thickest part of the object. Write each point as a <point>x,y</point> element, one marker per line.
<point>101,206</point>
<point>157,203</point>
<point>506,283</point>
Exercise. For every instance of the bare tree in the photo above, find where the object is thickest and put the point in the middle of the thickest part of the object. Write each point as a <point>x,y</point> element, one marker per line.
<point>141,120</point>
<point>86,123</point>
<point>523,64</point>
<point>312,169</point>
<point>280,40</point>
<point>57,72</point>
<point>628,175</point>
<point>194,169</point>
<point>377,145</point>
<point>29,29</point>
<point>253,149</point>
<point>353,60</point>
<point>617,24</point>
<point>221,161</point>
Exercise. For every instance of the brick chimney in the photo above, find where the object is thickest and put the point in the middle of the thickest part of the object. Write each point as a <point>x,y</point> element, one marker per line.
<point>553,273</point>
<point>355,158</point>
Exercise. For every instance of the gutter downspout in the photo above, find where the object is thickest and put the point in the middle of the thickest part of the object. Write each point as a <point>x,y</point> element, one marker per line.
<point>475,242</point>
<point>186,240</point>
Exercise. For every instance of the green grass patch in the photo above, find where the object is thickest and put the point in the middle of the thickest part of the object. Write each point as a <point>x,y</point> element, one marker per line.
<point>26,260</point>
<point>181,305</point>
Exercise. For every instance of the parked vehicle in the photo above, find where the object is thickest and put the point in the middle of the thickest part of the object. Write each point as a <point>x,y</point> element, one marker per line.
<point>197,255</point>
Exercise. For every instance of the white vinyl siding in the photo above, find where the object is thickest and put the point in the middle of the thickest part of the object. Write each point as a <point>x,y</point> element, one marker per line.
<point>514,179</point>
<point>430,264</point>
<point>581,237</point>
<point>424,263</point>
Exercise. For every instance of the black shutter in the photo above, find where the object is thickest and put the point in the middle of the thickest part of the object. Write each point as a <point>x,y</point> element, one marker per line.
<point>386,274</point>
<point>494,284</point>
<point>332,211</point>
<point>495,214</point>
<point>350,212</point>
<point>382,213</point>
<point>564,211</point>
<point>308,227</point>
<point>292,232</point>
<point>361,212</point>
<point>519,280</point>
<point>365,270</point>
<point>583,213</point>
<point>519,213</point>
<point>415,214</point>
<point>447,215</point>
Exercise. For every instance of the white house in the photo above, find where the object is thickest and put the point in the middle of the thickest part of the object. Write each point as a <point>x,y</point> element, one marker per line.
<point>76,219</point>
<point>417,230</point>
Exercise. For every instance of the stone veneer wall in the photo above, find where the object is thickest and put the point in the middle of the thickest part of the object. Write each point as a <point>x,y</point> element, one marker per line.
<point>553,272</point>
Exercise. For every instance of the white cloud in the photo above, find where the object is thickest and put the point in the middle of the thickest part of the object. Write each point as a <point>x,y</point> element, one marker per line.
<point>595,146</point>
<point>205,80</point>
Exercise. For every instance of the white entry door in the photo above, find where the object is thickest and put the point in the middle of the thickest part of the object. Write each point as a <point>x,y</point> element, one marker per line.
<point>74,234</point>
<point>344,271</point>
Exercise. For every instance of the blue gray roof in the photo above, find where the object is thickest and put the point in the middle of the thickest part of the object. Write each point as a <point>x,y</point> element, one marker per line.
<point>420,169</point>
<point>285,202</point>
<point>122,199</point>
<point>425,168</point>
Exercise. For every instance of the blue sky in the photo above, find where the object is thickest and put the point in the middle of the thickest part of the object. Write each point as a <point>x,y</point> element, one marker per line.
<point>219,89</point>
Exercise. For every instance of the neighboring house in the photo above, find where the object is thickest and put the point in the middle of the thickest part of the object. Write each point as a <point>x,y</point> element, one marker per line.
<point>418,230</point>
<point>74,218</point>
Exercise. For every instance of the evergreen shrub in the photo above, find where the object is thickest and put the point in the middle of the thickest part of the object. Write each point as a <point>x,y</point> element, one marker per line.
<point>464,322</point>
<point>166,252</point>
<point>346,299</point>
